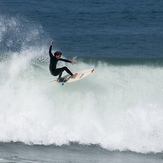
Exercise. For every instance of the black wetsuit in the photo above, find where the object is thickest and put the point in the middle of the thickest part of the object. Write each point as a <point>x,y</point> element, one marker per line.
<point>53,62</point>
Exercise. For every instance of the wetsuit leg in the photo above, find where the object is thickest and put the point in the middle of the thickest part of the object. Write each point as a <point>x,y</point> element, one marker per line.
<point>59,71</point>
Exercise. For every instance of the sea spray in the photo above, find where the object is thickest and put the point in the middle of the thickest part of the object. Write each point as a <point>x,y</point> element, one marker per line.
<point>114,107</point>
<point>118,107</point>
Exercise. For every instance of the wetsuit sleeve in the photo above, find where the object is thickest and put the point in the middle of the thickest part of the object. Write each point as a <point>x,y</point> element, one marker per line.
<point>50,51</point>
<point>65,60</point>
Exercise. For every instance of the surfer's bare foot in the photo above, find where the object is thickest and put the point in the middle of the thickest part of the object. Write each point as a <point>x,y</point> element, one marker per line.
<point>74,76</point>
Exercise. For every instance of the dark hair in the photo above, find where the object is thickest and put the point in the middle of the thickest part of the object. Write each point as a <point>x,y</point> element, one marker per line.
<point>58,53</point>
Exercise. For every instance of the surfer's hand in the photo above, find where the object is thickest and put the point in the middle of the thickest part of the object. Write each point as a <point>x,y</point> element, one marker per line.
<point>52,42</point>
<point>73,62</point>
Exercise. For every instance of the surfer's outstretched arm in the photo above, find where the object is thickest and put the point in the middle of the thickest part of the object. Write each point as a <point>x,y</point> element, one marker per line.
<point>50,49</point>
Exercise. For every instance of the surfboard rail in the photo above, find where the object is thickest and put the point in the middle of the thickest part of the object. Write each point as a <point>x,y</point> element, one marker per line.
<point>80,75</point>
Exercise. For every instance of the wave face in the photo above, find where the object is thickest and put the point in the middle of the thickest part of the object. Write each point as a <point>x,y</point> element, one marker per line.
<point>119,106</point>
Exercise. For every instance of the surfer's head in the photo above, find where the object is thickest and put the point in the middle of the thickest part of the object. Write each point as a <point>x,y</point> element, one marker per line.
<point>58,54</point>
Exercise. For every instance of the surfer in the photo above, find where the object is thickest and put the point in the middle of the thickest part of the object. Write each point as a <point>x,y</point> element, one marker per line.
<point>53,63</point>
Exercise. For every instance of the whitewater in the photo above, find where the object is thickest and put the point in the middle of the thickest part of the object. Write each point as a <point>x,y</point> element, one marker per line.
<point>118,107</point>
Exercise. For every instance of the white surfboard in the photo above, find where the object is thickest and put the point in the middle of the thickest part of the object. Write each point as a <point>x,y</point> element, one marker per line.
<point>80,75</point>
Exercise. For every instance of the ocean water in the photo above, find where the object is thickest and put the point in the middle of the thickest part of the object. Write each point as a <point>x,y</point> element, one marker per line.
<point>114,115</point>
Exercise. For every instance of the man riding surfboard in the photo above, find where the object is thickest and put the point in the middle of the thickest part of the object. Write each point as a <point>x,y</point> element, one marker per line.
<point>53,63</point>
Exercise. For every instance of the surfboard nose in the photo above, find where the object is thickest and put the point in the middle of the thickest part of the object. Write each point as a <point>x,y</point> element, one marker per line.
<point>92,70</point>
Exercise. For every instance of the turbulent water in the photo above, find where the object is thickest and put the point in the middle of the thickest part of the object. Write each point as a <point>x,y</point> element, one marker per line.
<point>119,107</point>
<point>115,107</point>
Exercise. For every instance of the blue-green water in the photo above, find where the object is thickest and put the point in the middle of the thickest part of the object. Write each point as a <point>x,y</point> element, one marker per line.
<point>115,114</point>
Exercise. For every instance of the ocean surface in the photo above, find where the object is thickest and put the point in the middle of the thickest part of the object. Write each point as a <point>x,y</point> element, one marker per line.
<point>114,115</point>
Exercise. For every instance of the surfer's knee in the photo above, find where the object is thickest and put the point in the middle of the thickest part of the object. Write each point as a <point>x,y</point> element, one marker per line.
<point>67,70</point>
<point>64,67</point>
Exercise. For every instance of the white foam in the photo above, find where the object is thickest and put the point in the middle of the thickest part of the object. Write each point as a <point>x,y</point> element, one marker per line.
<point>117,107</point>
